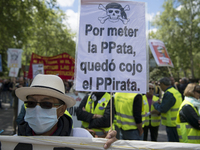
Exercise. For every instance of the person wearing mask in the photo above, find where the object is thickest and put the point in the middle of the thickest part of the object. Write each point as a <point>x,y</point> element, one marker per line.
<point>188,117</point>
<point>130,115</point>
<point>94,112</point>
<point>152,119</point>
<point>46,102</point>
<point>171,102</point>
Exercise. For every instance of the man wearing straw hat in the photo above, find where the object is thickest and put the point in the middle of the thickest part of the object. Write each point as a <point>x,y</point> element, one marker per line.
<point>45,103</point>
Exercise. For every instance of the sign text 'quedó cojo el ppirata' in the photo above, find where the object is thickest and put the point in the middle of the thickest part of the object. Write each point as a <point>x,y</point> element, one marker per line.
<point>111,50</point>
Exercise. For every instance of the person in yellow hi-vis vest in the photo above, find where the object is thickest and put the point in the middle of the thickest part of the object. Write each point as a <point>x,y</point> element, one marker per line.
<point>152,116</point>
<point>188,117</point>
<point>171,102</point>
<point>94,112</point>
<point>130,115</point>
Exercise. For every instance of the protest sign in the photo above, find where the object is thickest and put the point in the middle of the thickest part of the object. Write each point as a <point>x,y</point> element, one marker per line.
<point>14,57</point>
<point>81,143</point>
<point>111,50</point>
<point>62,65</point>
<point>13,72</point>
<point>160,53</point>
<point>37,69</point>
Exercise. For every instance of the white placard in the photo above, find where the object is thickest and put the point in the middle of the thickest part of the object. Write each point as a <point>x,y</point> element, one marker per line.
<point>37,69</point>
<point>13,72</point>
<point>111,50</point>
<point>14,57</point>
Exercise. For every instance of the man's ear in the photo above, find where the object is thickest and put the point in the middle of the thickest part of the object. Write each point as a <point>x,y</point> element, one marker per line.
<point>62,110</point>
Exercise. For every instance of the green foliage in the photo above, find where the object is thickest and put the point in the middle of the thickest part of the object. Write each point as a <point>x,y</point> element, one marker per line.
<point>158,73</point>
<point>178,27</point>
<point>35,26</point>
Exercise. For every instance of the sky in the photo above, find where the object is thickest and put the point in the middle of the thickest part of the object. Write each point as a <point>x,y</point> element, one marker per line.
<point>71,8</point>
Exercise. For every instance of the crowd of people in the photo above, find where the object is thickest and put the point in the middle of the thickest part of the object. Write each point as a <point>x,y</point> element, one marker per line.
<point>166,103</point>
<point>176,106</point>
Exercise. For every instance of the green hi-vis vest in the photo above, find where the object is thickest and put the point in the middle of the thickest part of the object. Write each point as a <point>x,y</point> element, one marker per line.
<point>155,119</point>
<point>169,118</point>
<point>67,113</point>
<point>186,133</point>
<point>124,111</point>
<point>146,109</point>
<point>99,110</point>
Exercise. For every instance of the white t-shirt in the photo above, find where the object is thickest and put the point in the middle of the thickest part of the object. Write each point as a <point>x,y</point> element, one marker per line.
<point>80,132</point>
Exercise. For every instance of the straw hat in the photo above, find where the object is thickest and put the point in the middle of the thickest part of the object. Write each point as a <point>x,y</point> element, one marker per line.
<point>50,85</point>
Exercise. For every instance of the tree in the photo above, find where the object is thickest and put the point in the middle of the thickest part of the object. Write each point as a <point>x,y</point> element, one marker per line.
<point>12,25</point>
<point>35,26</point>
<point>178,28</point>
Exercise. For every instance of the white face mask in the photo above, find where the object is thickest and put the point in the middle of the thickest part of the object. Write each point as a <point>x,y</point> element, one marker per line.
<point>41,120</point>
<point>93,97</point>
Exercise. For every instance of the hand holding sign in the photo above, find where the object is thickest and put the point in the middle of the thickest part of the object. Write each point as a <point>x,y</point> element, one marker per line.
<point>111,136</point>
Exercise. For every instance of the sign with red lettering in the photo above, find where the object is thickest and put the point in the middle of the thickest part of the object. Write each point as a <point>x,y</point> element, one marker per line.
<point>61,65</point>
<point>160,53</point>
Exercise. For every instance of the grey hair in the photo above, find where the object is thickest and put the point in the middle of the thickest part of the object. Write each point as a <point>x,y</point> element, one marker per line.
<point>166,81</point>
<point>152,85</point>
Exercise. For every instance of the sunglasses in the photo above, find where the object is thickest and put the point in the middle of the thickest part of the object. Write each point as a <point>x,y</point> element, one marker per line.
<point>151,88</point>
<point>44,105</point>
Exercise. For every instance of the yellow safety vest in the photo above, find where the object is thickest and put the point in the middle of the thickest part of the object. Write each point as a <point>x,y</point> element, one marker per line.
<point>124,111</point>
<point>169,118</point>
<point>146,109</point>
<point>186,133</point>
<point>155,119</point>
<point>102,103</point>
<point>67,113</point>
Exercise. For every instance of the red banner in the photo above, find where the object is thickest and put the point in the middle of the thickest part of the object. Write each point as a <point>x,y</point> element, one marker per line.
<point>61,65</point>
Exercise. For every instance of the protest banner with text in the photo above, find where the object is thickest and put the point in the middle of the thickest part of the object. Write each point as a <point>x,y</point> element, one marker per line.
<point>82,143</point>
<point>61,65</point>
<point>111,50</point>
